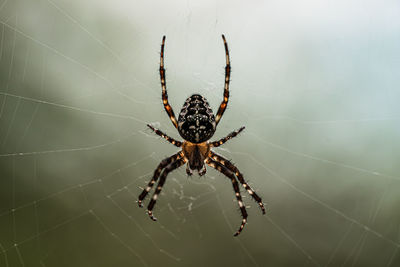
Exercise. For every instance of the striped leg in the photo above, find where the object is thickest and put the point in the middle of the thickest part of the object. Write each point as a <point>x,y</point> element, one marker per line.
<point>174,165</point>
<point>227,138</point>
<point>219,167</point>
<point>222,107</point>
<point>235,170</point>
<point>167,107</point>
<point>165,136</point>
<point>164,163</point>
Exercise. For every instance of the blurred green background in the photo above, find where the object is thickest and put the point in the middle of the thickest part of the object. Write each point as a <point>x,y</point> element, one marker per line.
<point>316,83</point>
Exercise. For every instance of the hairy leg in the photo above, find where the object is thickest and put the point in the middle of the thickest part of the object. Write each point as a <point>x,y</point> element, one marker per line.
<point>221,168</point>
<point>167,106</point>
<point>227,138</point>
<point>164,163</point>
<point>224,102</point>
<point>174,165</point>
<point>165,136</point>
<point>236,171</point>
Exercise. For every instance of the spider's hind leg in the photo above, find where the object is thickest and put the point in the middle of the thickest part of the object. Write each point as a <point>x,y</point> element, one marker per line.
<point>224,102</point>
<point>167,106</point>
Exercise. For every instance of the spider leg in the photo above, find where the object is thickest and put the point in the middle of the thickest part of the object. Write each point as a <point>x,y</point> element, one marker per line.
<point>172,166</point>
<point>227,138</point>
<point>167,107</point>
<point>224,102</point>
<point>164,163</point>
<point>221,168</point>
<point>165,136</point>
<point>236,171</point>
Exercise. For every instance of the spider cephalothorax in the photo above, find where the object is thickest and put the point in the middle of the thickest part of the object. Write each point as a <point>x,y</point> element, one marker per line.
<point>196,124</point>
<point>196,155</point>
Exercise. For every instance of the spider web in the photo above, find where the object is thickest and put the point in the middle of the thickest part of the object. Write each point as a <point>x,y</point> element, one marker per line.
<point>315,85</point>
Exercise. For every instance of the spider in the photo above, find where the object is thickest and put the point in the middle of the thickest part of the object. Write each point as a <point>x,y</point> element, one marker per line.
<point>196,124</point>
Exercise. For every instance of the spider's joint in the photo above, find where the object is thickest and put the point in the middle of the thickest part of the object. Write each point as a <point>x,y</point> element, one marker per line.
<point>151,215</point>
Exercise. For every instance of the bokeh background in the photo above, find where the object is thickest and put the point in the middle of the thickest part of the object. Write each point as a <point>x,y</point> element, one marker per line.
<point>316,83</point>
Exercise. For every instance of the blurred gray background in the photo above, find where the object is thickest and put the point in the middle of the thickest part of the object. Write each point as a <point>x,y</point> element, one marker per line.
<point>316,83</point>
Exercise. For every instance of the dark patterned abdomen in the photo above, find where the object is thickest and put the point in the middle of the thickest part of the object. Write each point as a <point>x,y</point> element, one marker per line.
<point>196,121</point>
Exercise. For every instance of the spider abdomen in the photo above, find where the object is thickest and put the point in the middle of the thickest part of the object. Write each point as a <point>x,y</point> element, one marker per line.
<point>196,121</point>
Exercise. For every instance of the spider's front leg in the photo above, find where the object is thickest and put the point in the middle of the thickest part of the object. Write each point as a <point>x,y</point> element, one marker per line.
<point>221,168</point>
<point>164,163</point>
<point>174,165</point>
<point>236,171</point>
